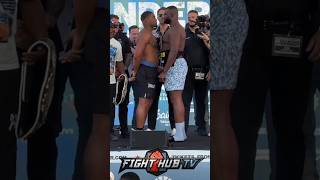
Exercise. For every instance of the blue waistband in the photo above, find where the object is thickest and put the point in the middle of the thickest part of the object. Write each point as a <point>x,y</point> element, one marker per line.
<point>149,64</point>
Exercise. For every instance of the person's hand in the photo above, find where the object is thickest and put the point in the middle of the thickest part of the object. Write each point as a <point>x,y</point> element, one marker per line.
<point>314,47</point>
<point>40,54</point>
<point>118,73</point>
<point>120,78</point>
<point>208,76</point>
<point>160,69</point>
<point>71,56</point>
<point>162,76</point>
<point>204,37</point>
<point>74,53</point>
<point>133,76</point>
<point>132,50</point>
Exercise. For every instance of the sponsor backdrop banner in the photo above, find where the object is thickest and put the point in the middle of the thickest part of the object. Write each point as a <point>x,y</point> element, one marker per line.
<point>129,11</point>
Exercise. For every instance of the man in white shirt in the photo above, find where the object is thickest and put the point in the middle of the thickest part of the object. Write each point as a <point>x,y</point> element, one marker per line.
<point>116,67</point>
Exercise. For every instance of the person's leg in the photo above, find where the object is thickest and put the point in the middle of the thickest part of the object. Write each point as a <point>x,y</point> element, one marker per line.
<point>225,144</point>
<point>9,94</point>
<point>179,115</point>
<point>206,114</point>
<point>247,107</point>
<point>97,149</point>
<point>187,95</point>
<point>113,135</point>
<point>310,166</point>
<point>271,138</point>
<point>113,107</point>
<point>142,112</point>
<point>42,155</point>
<point>136,101</point>
<point>123,112</point>
<point>79,80</point>
<point>310,171</point>
<point>153,111</point>
<point>170,109</point>
<point>201,89</point>
<point>289,98</point>
<point>42,147</point>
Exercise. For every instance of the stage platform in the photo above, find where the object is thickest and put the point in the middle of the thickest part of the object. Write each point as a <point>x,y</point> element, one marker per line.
<point>194,142</point>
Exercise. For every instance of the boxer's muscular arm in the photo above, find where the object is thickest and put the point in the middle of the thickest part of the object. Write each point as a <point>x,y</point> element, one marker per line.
<point>174,48</point>
<point>141,45</point>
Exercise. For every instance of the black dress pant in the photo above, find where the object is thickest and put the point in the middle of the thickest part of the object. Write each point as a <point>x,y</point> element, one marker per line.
<point>288,81</point>
<point>200,90</point>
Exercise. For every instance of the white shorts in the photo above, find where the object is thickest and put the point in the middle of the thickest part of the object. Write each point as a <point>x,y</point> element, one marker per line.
<point>176,75</point>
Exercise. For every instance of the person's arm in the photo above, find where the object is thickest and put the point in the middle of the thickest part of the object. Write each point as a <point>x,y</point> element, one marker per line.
<point>120,68</point>
<point>174,49</point>
<point>119,61</point>
<point>33,16</point>
<point>141,44</point>
<point>128,60</point>
<point>127,54</point>
<point>84,14</point>
<point>54,10</point>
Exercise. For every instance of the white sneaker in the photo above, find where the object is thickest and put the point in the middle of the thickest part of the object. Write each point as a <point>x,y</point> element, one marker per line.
<point>173,131</point>
<point>209,134</point>
<point>132,129</point>
<point>149,129</point>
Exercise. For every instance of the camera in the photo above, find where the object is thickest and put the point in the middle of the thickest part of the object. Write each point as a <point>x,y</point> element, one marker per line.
<point>203,22</point>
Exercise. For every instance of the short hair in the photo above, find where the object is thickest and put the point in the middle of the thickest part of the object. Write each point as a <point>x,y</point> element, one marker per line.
<point>173,9</point>
<point>162,8</point>
<point>133,27</point>
<point>144,15</point>
<point>193,11</point>
<point>129,176</point>
<point>114,16</point>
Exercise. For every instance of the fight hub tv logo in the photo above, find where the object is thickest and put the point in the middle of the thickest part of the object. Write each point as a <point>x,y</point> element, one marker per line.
<point>157,162</point>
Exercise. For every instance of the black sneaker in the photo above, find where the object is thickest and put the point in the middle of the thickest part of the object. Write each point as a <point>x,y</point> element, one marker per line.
<point>113,136</point>
<point>202,132</point>
<point>125,134</point>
